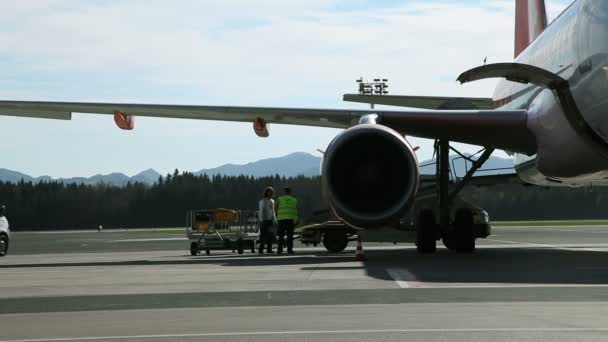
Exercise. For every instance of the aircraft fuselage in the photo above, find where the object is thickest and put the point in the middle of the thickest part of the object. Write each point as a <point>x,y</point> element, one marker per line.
<point>575,47</point>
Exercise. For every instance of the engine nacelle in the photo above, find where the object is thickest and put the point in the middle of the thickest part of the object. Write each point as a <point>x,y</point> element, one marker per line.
<point>369,175</point>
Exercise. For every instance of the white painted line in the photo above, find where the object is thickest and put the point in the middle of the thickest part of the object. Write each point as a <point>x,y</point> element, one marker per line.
<point>503,241</point>
<point>596,247</point>
<point>528,244</point>
<point>151,239</point>
<point>565,230</point>
<point>404,278</point>
<point>305,332</point>
<point>504,286</point>
<point>581,227</point>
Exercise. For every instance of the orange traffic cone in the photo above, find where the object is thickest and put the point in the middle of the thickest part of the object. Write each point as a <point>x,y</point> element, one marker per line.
<point>359,255</point>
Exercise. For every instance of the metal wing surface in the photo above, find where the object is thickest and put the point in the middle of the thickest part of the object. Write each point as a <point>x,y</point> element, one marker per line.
<point>503,129</point>
<point>423,102</point>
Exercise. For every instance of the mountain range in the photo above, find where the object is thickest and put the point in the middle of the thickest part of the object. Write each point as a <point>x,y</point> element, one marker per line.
<point>294,164</point>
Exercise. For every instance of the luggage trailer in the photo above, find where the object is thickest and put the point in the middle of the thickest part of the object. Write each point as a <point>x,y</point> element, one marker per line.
<point>222,229</point>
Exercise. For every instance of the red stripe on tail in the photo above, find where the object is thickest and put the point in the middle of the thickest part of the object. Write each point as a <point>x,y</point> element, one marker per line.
<point>530,22</point>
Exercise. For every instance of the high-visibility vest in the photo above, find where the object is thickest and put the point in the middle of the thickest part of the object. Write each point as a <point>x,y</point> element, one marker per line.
<point>288,208</point>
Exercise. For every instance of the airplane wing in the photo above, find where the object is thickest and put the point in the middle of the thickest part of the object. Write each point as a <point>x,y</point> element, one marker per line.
<point>294,116</point>
<point>495,128</point>
<point>423,102</point>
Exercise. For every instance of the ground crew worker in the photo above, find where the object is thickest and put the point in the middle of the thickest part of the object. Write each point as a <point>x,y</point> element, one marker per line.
<point>267,219</point>
<point>287,215</point>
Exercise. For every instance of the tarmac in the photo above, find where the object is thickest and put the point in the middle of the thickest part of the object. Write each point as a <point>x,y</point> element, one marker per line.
<point>523,284</point>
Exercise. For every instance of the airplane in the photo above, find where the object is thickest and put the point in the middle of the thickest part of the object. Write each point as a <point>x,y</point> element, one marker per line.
<point>549,111</point>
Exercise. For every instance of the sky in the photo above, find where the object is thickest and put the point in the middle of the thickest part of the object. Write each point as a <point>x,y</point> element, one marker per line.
<point>232,52</point>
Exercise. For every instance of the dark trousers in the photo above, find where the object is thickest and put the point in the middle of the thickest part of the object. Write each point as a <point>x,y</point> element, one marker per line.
<point>285,227</point>
<point>266,236</point>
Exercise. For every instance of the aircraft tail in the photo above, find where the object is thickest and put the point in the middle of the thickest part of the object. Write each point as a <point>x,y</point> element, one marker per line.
<point>530,21</point>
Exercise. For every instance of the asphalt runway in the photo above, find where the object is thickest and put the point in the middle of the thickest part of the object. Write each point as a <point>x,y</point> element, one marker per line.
<point>523,284</point>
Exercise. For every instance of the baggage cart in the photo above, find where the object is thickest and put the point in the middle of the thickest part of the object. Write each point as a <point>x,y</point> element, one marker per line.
<point>222,229</point>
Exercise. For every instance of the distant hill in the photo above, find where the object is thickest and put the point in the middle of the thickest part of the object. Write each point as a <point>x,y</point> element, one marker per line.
<point>291,165</point>
<point>115,178</point>
<point>14,176</point>
<point>461,166</point>
<point>148,177</point>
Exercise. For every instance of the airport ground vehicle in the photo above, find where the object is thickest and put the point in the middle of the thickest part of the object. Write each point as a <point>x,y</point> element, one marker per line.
<point>5,233</point>
<point>221,229</point>
<point>335,235</point>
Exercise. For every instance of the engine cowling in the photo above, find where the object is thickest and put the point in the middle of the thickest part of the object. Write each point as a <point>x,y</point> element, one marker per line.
<point>369,175</point>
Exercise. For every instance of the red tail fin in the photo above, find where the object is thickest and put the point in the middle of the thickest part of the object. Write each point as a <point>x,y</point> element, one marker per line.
<point>530,21</point>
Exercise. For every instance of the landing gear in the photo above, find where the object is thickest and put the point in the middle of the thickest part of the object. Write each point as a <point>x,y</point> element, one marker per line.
<point>460,236</point>
<point>457,234</point>
<point>464,233</point>
<point>426,239</point>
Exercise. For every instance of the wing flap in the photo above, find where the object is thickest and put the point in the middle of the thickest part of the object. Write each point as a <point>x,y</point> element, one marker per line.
<point>423,102</point>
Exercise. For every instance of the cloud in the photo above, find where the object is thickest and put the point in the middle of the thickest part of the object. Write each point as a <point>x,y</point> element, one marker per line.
<point>239,52</point>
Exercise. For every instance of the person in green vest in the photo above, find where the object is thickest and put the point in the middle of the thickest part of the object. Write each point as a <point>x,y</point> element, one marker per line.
<point>287,215</point>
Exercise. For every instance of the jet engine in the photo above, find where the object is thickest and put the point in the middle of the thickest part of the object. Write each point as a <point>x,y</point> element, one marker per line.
<point>369,175</point>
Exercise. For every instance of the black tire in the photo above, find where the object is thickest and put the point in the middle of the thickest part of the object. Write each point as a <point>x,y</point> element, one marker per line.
<point>426,239</point>
<point>239,247</point>
<point>193,248</point>
<point>335,241</point>
<point>449,240</point>
<point>3,245</point>
<point>463,231</point>
<point>252,246</point>
<point>208,251</point>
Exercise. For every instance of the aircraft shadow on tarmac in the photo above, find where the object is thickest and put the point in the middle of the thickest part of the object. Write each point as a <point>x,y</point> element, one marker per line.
<point>525,265</point>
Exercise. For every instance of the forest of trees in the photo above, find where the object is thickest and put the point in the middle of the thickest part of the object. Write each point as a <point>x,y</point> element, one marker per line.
<point>518,202</point>
<point>55,205</point>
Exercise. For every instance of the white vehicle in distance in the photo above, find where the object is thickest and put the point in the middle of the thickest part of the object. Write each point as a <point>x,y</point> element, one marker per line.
<point>5,233</point>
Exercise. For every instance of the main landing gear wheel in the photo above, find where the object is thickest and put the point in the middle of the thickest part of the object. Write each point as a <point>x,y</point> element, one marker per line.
<point>463,231</point>
<point>426,241</point>
<point>449,239</point>
<point>335,242</point>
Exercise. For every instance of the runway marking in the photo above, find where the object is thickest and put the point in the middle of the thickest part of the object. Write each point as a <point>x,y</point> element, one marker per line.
<point>579,230</point>
<point>404,278</point>
<point>306,332</point>
<point>596,247</point>
<point>566,230</point>
<point>407,280</point>
<point>521,243</point>
<point>509,286</point>
<point>150,239</point>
